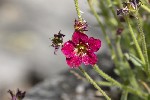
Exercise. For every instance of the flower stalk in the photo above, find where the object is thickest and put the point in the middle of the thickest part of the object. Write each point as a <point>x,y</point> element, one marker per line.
<point>78,10</point>
<point>94,83</point>
<point>135,41</point>
<point>104,83</point>
<point>144,46</point>
<point>146,8</point>
<point>116,83</point>
<point>118,46</point>
<point>124,95</point>
<point>105,76</point>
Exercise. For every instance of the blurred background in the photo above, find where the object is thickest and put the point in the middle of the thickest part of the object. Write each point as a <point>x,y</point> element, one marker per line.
<point>26,57</point>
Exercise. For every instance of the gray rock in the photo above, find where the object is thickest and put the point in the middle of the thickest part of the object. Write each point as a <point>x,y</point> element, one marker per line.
<point>63,87</point>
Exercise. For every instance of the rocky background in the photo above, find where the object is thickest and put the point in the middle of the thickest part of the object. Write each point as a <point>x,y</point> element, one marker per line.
<point>71,85</point>
<point>26,57</point>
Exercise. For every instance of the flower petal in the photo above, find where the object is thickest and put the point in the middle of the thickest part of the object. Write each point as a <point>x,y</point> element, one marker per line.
<point>94,44</point>
<point>79,37</point>
<point>68,49</point>
<point>74,62</point>
<point>89,59</point>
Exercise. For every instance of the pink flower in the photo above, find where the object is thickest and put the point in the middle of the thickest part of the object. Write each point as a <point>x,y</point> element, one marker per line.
<point>81,49</point>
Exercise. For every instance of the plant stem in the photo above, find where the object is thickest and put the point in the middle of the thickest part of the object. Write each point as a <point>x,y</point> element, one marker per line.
<point>144,47</point>
<point>145,86</point>
<point>103,30</point>
<point>113,11</point>
<point>136,92</point>
<point>104,75</point>
<point>104,83</point>
<point>135,41</point>
<point>94,83</point>
<point>114,82</point>
<point>146,8</point>
<point>124,95</point>
<point>145,5</point>
<point>125,64</point>
<point>77,9</point>
<point>111,6</point>
<point>120,54</point>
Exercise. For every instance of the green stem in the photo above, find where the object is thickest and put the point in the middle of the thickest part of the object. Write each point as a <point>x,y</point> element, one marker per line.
<point>136,92</point>
<point>125,64</point>
<point>103,30</point>
<point>111,6</point>
<point>145,5</point>
<point>103,83</point>
<point>146,8</point>
<point>124,95</point>
<point>135,41</point>
<point>94,83</point>
<point>116,83</point>
<point>144,47</point>
<point>104,75</point>
<point>77,9</point>
<point>119,47</point>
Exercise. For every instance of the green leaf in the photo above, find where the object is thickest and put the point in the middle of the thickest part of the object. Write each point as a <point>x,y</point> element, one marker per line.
<point>136,61</point>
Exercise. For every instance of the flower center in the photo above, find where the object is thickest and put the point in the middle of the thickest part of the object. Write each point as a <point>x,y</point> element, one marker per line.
<point>81,49</point>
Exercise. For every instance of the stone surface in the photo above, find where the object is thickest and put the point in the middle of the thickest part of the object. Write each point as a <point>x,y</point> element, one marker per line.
<point>71,85</point>
<point>63,87</point>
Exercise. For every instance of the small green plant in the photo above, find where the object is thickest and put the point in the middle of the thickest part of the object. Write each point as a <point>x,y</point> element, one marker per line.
<point>125,27</point>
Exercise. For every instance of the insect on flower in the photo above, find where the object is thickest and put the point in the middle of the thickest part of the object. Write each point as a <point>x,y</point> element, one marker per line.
<point>57,41</point>
<point>130,6</point>
<point>137,3</point>
<point>134,4</point>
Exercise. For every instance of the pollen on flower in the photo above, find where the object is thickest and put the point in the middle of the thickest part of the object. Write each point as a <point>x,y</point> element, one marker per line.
<point>57,41</point>
<point>81,50</point>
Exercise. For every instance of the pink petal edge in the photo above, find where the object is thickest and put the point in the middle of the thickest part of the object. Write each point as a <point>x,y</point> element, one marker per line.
<point>79,37</point>
<point>94,44</point>
<point>68,49</point>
